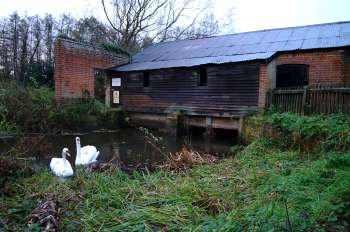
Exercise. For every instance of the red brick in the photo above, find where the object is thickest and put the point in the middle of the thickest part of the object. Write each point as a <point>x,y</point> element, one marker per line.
<point>325,67</point>
<point>74,67</point>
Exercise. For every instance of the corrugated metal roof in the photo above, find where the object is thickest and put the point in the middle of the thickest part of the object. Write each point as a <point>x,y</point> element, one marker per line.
<point>239,47</point>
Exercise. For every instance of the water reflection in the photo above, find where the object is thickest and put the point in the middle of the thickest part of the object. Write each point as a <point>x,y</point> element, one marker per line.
<point>127,147</point>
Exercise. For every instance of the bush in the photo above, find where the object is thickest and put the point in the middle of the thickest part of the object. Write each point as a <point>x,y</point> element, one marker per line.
<point>27,110</point>
<point>90,114</point>
<point>34,110</point>
<point>310,134</point>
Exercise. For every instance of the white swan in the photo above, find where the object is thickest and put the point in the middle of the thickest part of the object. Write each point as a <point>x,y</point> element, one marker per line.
<point>61,166</point>
<point>85,155</point>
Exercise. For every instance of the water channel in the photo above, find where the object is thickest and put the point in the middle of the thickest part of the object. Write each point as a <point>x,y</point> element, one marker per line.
<point>130,147</point>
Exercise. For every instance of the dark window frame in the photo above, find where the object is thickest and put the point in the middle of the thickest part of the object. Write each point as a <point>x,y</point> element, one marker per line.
<point>292,75</point>
<point>146,79</point>
<point>202,74</point>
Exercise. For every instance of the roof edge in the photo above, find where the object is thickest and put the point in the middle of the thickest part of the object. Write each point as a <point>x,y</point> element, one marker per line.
<point>267,60</point>
<point>254,31</point>
<point>88,45</point>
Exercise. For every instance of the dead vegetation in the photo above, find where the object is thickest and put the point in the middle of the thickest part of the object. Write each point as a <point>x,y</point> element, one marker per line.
<point>185,159</point>
<point>45,216</point>
<point>211,204</point>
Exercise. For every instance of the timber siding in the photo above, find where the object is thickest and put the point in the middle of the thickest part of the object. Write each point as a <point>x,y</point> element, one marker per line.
<point>232,90</point>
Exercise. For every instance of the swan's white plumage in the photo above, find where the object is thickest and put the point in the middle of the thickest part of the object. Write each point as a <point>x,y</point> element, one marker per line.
<point>61,166</point>
<point>85,155</point>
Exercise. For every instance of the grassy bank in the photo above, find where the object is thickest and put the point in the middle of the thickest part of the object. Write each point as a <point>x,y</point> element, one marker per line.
<point>273,184</point>
<point>306,134</point>
<point>35,110</point>
<point>252,192</point>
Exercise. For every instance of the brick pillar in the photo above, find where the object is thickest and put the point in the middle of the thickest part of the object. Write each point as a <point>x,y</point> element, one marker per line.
<point>263,85</point>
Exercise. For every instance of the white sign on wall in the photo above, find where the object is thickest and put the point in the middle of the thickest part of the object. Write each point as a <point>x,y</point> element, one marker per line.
<point>116,82</point>
<point>116,97</point>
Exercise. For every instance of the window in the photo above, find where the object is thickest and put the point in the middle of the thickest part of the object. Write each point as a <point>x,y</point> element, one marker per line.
<point>145,79</point>
<point>289,75</point>
<point>203,77</point>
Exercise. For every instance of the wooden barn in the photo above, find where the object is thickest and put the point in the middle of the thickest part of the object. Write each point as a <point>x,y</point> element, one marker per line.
<point>210,82</point>
<point>214,82</point>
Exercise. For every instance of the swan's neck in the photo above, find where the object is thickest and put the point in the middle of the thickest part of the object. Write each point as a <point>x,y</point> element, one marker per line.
<point>78,151</point>
<point>64,158</point>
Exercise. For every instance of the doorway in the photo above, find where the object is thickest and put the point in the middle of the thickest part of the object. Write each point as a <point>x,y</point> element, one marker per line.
<point>102,88</point>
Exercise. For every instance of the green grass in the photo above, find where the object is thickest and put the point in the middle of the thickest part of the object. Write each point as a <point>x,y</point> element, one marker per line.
<point>296,180</point>
<point>247,193</point>
<point>34,110</point>
<point>307,134</point>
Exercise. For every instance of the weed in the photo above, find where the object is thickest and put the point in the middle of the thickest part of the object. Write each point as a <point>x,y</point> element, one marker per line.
<point>244,193</point>
<point>308,134</point>
<point>267,186</point>
<point>35,110</point>
<point>185,159</point>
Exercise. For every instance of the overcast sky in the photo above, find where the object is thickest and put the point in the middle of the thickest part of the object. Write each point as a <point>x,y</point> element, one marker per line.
<point>248,14</point>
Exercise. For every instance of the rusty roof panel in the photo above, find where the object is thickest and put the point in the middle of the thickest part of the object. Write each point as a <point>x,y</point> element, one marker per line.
<point>194,62</point>
<point>239,47</point>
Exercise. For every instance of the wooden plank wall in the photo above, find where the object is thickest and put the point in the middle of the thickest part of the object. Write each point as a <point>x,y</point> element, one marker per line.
<point>232,89</point>
<point>321,99</point>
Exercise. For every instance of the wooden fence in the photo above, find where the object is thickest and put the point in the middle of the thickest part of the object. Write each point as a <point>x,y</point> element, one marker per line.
<point>320,99</point>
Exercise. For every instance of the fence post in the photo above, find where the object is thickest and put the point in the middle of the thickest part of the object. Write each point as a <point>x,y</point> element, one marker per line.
<point>268,102</point>
<point>303,103</point>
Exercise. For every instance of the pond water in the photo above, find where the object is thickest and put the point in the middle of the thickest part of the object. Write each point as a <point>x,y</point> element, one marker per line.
<point>129,147</point>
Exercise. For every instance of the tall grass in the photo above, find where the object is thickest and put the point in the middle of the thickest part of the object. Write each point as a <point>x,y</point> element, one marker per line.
<point>273,184</point>
<point>35,110</point>
<point>307,134</point>
<point>251,192</point>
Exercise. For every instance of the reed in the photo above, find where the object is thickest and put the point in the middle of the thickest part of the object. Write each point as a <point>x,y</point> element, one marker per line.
<point>185,159</point>
<point>248,192</point>
<point>266,186</point>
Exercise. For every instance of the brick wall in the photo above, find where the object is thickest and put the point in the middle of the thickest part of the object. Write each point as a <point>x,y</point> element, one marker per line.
<point>75,65</point>
<point>264,85</point>
<point>325,67</point>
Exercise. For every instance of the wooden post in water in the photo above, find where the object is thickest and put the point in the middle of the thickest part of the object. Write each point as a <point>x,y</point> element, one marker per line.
<point>209,127</point>
<point>172,123</point>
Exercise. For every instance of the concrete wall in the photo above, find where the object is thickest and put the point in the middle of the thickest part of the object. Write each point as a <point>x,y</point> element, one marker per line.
<point>175,123</point>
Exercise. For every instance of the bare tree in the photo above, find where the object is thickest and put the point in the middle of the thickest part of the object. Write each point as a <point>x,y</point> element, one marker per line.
<point>65,25</point>
<point>14,21</point>
<point>227,23</point>
<point>133,20</point>
<point>26,42</point>
<point>204,27</point>
<point>48,37</point>
<point>24,31</point>
<point>5,49</point>
<point>91,30</point>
